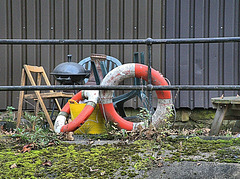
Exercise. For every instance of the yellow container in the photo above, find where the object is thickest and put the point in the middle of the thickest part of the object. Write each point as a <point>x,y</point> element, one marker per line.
<point>95,124</point>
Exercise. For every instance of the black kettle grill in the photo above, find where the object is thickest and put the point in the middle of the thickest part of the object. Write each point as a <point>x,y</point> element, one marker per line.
<point>70,73</point>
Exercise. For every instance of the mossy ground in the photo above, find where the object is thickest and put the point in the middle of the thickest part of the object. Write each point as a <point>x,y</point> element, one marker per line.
<point>122,160</point>
<point>74,161</point>
<point>132,157</point>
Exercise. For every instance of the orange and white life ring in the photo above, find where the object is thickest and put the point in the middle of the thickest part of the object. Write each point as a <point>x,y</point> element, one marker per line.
<point>92,96</point>
<point>131,70</point>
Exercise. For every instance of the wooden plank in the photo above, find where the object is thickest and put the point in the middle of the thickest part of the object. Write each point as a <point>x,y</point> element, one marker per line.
<point>37,107</point>
<point>218,119</point>
<point>35,69</point>
<point>49,95</point>
<point>226,100</point>
<point>20,101</point>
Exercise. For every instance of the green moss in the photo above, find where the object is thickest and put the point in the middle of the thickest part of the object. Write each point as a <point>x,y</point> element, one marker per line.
<point>186,149</point>
<point>109,161</point>
<point>74,161</point>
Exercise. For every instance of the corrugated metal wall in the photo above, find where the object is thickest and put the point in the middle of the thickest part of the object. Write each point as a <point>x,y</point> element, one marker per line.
<point>202,64</point>
<point>124,19</point>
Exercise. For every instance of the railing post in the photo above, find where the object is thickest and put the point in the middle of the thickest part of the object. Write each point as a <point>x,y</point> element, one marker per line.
<point>149,86</point>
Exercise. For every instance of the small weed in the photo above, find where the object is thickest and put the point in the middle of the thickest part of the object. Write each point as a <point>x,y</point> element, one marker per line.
<point>39,137</point>
<point>145,116</point>
<point>34,132</point>
<point>10,116</point>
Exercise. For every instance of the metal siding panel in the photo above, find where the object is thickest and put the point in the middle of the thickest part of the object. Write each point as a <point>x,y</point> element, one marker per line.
<point>171,57</point>
<point>59,24</point>
<point>184,52</point>
<point>199,53</point>
<point>191,53</point>
<point>38,30</point>
<point>45,29</point>
<point>29,26</point>
<point>31,31</point>
<point>237,45</point>
<point>107,24</point>
<point>3,53</point>
<point>149,18</point>
<point>207,102</point>
<point>163,36</point>
<point>86,26</point>
<point>100,25</point>
<point>229,58</point>
<point>141,25</point>
<point>156,29</point>
<point>128,30</point>
<point>156,33</point>
<point>51,16</point>
<point>135,24</point>
<point>80,29</point>
<point>9,51</point>
<point>93,24</point>
<point>114,27</point>
<point>177,52</point>
<point>15,64</point>
<point>142,19</point>
<point>73,28</point>
<point>214,48</point>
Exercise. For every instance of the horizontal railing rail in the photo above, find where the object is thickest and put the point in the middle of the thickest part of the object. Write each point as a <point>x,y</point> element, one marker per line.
<point>148,41</point>
<point>120,87</point>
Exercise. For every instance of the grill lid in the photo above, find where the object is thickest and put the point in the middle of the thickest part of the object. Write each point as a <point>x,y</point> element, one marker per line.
<point>69,68</point>
<point>70,72</point>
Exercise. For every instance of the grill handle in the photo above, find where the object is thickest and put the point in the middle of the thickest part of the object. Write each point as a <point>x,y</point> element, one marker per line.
<point>69,57</point>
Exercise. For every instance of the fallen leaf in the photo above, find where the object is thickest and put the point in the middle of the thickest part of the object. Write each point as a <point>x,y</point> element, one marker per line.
<point>50,143</point>
<point>70,136</point>
<point>102,173</point>
<point>222,96</point>
<point>93,170</point>
<point>13,166</point>
<point>27,148</point>
<point>160,164</point>
<point>159,158</point>
<point>47,163</point>
<point>198,164</point>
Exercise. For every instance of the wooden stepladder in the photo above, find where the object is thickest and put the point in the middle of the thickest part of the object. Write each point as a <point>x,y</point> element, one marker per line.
<point>27,71</point>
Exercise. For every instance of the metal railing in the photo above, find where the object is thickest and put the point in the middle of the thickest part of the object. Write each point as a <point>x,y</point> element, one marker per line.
<point>149,42</point>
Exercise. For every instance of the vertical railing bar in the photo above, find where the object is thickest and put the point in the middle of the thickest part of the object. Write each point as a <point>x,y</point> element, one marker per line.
<point>149,49</point>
